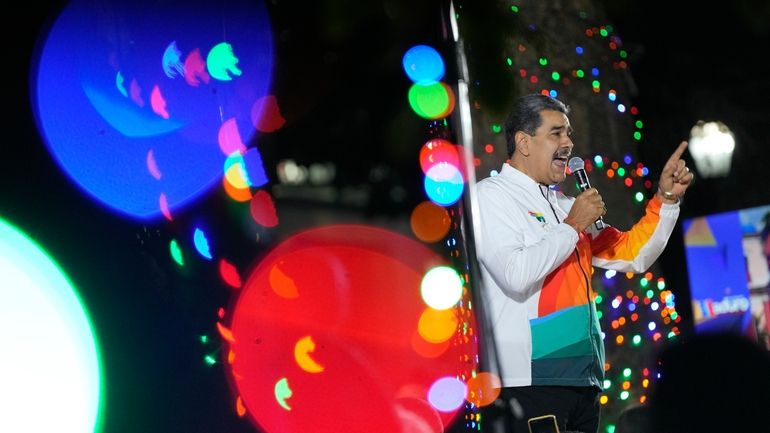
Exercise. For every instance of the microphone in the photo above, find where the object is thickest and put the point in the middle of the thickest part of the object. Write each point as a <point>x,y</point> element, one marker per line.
<point>578,168</point>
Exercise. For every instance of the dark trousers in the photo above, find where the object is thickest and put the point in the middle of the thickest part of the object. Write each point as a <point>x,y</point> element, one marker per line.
<point>576,408</point>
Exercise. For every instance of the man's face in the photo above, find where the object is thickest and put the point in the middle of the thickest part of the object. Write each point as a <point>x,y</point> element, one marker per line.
<point>550,148</point>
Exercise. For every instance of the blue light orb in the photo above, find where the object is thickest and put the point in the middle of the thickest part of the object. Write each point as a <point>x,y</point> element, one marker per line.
<point>444,189</point>
<point>423,64</point>
<point>129,79</point>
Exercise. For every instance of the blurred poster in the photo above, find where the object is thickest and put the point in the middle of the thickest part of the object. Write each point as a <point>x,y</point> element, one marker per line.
<point>727,260</point>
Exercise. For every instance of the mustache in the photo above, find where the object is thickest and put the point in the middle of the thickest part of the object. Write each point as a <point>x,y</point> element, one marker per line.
<point>562,154</point>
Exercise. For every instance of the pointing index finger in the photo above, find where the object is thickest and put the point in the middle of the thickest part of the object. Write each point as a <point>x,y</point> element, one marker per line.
<point>678,152</point>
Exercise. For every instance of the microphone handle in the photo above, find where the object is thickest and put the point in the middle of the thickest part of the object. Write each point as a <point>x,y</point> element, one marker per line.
<point>599,224</point>
<point>584,184</point>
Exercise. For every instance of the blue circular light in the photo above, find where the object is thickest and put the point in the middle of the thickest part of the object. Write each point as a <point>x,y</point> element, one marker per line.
<point>130,101</point>
<point>444,190</point>
<point>423,64</point>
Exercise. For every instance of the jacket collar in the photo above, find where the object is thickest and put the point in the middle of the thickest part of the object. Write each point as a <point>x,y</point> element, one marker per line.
<point>514,174</point>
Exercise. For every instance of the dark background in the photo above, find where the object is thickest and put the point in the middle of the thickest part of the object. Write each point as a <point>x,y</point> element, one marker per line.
<point>690,63</point>
<point>148,317</point>
<point>703,63</point>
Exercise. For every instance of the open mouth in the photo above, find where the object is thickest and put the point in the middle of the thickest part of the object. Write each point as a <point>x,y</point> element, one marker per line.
<point>560,159</point>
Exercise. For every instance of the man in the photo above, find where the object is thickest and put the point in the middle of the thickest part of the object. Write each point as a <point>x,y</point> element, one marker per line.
<point>536,249</point>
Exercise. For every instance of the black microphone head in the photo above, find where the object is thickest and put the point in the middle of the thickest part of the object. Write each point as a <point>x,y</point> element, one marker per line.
<point>576,163</point>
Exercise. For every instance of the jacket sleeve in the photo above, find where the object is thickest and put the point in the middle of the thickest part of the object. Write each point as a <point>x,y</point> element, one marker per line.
<point>516,257</point>
<point>637,249</point>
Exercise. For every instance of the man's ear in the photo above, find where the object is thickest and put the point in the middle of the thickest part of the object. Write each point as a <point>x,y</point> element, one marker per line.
<point>522,142</point>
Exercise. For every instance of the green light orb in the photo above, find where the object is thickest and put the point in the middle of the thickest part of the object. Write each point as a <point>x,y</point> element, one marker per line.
<point>431,101</point>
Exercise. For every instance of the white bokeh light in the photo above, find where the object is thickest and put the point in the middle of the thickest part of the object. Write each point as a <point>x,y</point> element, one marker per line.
<point>711,146</point>
<point>441,288</point>
<point>49,371</point>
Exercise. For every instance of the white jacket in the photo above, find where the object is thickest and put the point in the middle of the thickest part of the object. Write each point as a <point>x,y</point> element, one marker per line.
<point>536,277</point>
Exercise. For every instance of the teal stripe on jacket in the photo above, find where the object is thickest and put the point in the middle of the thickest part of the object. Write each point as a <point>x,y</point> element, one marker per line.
<point>563,353</point>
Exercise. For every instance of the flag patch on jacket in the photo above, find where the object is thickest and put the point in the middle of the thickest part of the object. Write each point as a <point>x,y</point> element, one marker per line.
<point>538,216</point>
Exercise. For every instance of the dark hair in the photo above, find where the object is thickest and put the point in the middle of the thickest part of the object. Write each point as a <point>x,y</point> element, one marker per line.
<point>525,116</point>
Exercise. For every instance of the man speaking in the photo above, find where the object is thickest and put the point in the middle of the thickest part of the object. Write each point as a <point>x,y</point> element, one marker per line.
<point>536,249</point>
